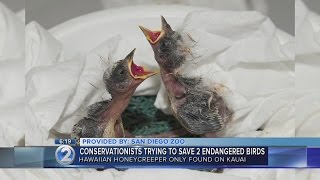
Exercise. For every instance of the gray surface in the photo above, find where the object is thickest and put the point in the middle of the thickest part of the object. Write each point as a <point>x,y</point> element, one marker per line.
<point>14,5</point>
<point>6,158</point>
<point>281,12</point>
<point>50,13</point>
<point>314,5</point>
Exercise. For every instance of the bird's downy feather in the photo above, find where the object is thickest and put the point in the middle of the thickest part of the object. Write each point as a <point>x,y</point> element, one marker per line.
<point>95,110</point>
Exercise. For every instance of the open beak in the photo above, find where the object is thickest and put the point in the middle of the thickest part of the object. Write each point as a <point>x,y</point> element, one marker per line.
<point>152,36</point>
<point>138,72</point>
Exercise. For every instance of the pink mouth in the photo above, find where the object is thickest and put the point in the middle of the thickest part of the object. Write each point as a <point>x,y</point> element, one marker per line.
<point>138,72</point>
<point>154,35</point>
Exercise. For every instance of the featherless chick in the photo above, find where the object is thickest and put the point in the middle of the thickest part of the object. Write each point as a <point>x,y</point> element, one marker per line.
<point>200,109</point>
<point>103,119</point>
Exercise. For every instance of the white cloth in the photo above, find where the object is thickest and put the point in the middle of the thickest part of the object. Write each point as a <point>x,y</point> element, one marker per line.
<point>253,58</point>
<point>307,71</point>
<point>12,120</point>
<point>41,48</point>
<point>11,34</point>
<point>255,104</point>
<point>11,78</point>
<point>130,174</point>
<point>12,174</point>
<point>235,5</point>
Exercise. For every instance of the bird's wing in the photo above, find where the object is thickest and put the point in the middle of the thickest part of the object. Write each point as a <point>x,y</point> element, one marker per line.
<point>87,128</point>
<point>96,109</point>
<point>200,114</point>
<point>189,82</point>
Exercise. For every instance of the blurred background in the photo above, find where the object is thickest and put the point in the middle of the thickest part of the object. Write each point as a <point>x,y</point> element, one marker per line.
<point>14,5</point>
<point>50,13</point>
<point>314,5</point>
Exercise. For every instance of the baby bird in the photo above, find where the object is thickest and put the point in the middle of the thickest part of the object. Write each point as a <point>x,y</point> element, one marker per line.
<point>198,108</point>
<point>103,118</point>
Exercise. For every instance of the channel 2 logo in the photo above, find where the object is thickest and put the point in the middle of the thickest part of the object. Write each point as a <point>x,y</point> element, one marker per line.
<point>65,155</point>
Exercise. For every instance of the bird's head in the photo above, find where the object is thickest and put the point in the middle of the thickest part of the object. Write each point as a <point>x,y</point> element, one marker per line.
<point>165,44</point>
<point>125,76</point>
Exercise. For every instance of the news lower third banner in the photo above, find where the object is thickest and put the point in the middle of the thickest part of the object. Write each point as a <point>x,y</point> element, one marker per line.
<point>195,153</point>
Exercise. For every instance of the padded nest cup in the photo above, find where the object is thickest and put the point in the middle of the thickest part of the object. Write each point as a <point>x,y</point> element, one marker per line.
<point>142,118</point>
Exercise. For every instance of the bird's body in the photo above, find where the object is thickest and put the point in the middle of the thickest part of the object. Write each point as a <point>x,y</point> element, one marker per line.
<point>92,126</point>
<point>103,119</point>
<point>199,108</point>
